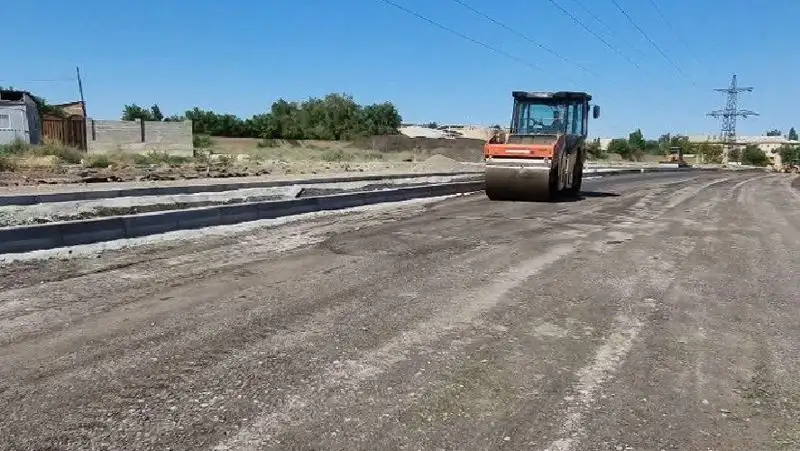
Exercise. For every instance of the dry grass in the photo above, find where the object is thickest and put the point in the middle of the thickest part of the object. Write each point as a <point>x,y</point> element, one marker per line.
<point>238,155</point>
<point>310,151</point>
<point>330,155</point>
<point>19,155</point>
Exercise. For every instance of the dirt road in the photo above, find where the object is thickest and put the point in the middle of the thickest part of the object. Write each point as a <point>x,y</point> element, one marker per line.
<point>657,313</point>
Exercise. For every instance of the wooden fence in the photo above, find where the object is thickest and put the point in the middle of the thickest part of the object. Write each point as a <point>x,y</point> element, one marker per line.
<point>70,131</point>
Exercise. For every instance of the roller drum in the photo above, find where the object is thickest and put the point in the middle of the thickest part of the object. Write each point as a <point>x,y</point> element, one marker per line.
<point>519,183</point>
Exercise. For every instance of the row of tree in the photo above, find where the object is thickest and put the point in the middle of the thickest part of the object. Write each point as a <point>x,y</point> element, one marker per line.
<point>635,147</point>
<point>334,117</point>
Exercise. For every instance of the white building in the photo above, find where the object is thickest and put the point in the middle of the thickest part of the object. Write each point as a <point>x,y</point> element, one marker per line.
<point>416,131</point>
<point>770,145</point>
<point>448,131</point>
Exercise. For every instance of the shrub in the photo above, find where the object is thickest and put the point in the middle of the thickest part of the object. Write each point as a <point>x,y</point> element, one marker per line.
<point>225,160</point>
<point>337,155</point>
<point>16,147</point>
<point>66,154</point>
<point>754,156</point>
<point>156,157</point>
<point>267,143</point>
<point>98,161</point>
<point>201,141</point>
<point>6,163</point>
<point>19,149</point>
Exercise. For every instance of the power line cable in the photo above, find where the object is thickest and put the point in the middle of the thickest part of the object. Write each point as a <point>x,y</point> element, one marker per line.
<point>527,38</point>
<point>462,35</point>
<point>589,30</point>
<point>674,30</point>
<point>633,22</point>
<point>605,26</point>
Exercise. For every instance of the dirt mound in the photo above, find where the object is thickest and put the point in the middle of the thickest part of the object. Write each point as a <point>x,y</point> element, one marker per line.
<point>458,149</point>
<point>441,163</point>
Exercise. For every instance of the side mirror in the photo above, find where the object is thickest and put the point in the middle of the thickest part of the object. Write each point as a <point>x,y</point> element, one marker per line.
<point>596,111</point>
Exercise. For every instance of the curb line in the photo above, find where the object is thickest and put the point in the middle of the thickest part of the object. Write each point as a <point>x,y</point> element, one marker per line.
<point>71,233</point>
<point>33,199</point>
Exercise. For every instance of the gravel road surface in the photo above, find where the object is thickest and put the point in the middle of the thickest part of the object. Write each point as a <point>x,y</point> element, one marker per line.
<point>660,312</point>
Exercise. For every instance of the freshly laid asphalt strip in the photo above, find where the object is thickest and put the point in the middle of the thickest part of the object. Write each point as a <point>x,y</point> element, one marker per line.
<point>656,313</point>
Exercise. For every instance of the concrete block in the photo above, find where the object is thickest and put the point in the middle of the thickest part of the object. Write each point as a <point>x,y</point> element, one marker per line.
<point>91,231</point>
<point>148,224</point>
<point>342,201</point>
<point>69,197</point>
<point>29,238</point>
<point>196,218</point>
<point>19,200</point>
<point>234,214</point>
<point>278,208</point>
<point>135,192</point>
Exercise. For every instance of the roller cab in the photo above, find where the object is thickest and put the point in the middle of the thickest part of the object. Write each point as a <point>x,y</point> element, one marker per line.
<point>543,154</point>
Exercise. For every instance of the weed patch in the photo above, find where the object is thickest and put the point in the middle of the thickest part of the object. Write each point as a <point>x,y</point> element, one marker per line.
<point>155,157</point>
<point>98,161</point>
<point>19,150</point>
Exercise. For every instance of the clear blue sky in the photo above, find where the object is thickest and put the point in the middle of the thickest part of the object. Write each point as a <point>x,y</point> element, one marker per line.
<point>240,56</point>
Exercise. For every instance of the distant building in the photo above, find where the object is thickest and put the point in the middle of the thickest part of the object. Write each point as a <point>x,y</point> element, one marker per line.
<point>19,118</point>
<point>467,131</point>
<point>416,131</point>
<point>450,131</point>
<point>71,109</point>
<point>770,145</point>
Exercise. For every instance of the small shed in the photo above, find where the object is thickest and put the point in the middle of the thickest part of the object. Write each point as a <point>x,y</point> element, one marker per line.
<point>19,118</point>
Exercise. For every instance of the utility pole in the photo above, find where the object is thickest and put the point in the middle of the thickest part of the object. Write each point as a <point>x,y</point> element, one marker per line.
<point>729,115</point>
<point>80,90</point>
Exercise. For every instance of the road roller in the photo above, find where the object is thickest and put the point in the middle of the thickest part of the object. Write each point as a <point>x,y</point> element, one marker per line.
<point>541,157</point>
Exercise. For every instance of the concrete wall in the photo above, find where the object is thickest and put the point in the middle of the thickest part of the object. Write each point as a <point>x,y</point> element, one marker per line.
<point>126,136</point>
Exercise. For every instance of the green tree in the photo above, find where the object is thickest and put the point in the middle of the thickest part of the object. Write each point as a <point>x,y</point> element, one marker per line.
<point>636,140</point>
<point>754,156</point>
<point>594,150</point>
<point>155,113</point>
<point>381,119</point>
<point>134,112</point>
<point>792,134</point>
<point>334,117</point>
<point>774,132</point>
<point>710,153</point>
<point>653,147</point>
<point>621,147</point>
<point>789,153</point>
